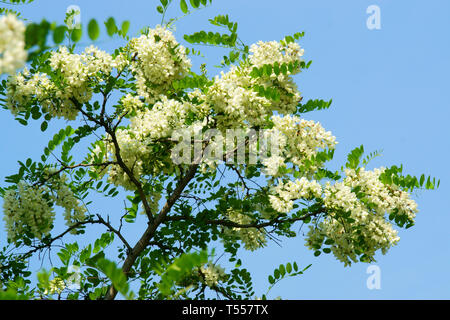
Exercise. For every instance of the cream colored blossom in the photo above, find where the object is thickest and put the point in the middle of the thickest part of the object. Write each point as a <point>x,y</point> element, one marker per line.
<point>212,274</point>
<point>368,229</point>
<point>252,238</point>
<point>12,44</point>
<point>159,61</point>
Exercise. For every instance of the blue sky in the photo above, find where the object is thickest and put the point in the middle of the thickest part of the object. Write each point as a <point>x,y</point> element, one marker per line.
<point>390,91</point>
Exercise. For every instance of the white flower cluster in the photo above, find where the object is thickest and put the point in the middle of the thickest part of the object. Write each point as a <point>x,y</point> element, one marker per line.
<point>252,238</point>
<point>232,96</point>
<point>385,198</point>
<point>159,60</point>
<point>12,44</point>
<point>136,141</point>
<point>27,210</point>
<point>273,52</point>
<point>286,193</point>
<point>74,211</point>
<point>72,81</point>
<point>131,103</point>
<point>212,274</point>
<point>55,286</point>
<point>295,140</point>
<point>366,229</point>
<point>30,208</point>
<point>233,93</point>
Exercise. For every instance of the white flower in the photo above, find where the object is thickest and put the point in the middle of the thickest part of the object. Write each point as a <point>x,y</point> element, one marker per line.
<point>252,238</point>
<point>159,61</point>
<point>12,44</point>
<point>212,274</point>
<point>368,217</point>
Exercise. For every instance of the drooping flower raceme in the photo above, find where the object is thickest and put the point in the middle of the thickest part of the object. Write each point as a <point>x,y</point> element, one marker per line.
<point>286,193</point>
<point>251,237</point>
<point>74,210</point>
<point>137,141</point>
<point>29,209</point>
<point>234,95</point>
<point>12,44</point>
<point>158,61</point>
<point>296,140</point>
<point>356,221</point>
<point>69,85</point>
<point>211,274</point>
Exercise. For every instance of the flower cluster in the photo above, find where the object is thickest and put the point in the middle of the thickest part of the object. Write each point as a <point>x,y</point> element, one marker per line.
<point>211,274</point>
<point>159,60</point>
<point>12,44</point>
<point>294,140</point>
<point>69,85</point>
<point>137,142</point>
<point>356,221</point>
<point>235,101</point>
<point>56,286</point>
<point>286,193</point>
<point>74,211</point>
<point>253,238</point>
<point>279,53</point>
<point>131,103</point>
<point>29,208</point>
<point>233,94</point>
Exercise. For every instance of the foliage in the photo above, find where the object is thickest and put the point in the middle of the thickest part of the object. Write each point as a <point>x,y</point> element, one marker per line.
<point>124,110</point>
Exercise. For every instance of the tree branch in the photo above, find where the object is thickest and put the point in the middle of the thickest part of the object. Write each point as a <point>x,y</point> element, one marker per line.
<point>152,227</point>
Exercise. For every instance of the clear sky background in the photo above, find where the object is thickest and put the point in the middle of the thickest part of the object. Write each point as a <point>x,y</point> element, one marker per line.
<point>390,91</point>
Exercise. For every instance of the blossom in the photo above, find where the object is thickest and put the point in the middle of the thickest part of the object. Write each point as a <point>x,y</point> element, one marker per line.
<point>137,141</point>
<point>211,274</point>
<point>367,201</point>
<point>56,285</point>
<point>159,60</point>
<point>74,211</point>
<point>294,140</point>
<point>286,193</point>
<point>12,44</point>
<point>27,210</point>
<point>252,238</point>
<point>69,85</point>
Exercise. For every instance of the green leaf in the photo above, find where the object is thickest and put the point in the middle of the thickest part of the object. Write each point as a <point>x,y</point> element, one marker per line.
<point>44,126</point>
<point>282,270</point>
<point>93,29</point>
<point>354,157</point>
<point>76,35</point>
<point>160,9</point>
<point>276,274</point>
<point>125,27</point>
<point>116,276</point>
<point>195,3</point>
<point>58,34</point>
<point>184,6</point>
<point>111,27</point>
<point>289,267</point>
